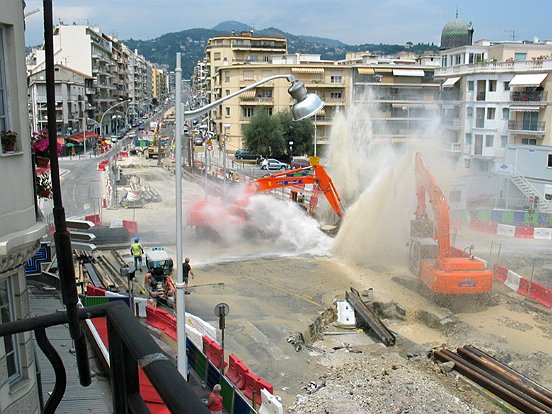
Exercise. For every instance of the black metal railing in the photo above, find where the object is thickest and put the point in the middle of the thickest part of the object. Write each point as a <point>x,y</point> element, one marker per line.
<point>130,346</point>
<point>537,126</point>
<point>529,96</point>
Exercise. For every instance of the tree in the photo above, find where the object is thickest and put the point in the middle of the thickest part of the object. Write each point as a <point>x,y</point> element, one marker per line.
<point>264,134</point>
<point>300,132</point>
<point>270,135</point>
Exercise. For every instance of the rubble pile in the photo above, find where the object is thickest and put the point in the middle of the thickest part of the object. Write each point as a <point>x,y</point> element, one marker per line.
<point>385,382</point>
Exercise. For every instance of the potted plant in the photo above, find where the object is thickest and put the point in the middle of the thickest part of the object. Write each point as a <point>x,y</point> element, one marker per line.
<point>43,186</point>
<point>8,138</point>
<point>40,147</point>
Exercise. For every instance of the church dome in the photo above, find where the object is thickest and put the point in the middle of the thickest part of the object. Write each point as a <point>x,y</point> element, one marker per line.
<point>456,33</point>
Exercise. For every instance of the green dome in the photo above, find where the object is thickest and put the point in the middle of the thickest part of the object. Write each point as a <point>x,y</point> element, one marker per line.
<point>456,33</point>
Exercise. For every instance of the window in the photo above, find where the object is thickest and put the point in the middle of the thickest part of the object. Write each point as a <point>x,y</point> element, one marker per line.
<point>492,86</point>
<point>266,59</point>
<point>529,141</point>
<point>216,56</point>
<point>444,61</point>
<point>520,56</point>
<point>336,95</point>
<point>7,312</point>
<point>468,138</point>
<point>248,112</point>
<point>549,164</point>
<point>469,111</point>
<point>227,111</point>
<point>467,163</point>
<point>264,93</point>
<point>505,113</point>
<point>491,113</point>
<point>480,117</point>
<point>470,85</point>
<point>3,93</point>
<point>336,78</point>
<point>507,86</point>
<point>489,141</point>
<point>455,196</point>
<point>227,77</point>
<point>248,75</point>
<point>503,141</point>
<point>269,111</point>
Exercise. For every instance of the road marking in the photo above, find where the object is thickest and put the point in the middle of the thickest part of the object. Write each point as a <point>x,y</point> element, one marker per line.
<point>292,293</point>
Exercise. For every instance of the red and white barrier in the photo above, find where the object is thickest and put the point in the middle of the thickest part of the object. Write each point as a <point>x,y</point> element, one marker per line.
<point>508,230</point>
<point>523,286</point>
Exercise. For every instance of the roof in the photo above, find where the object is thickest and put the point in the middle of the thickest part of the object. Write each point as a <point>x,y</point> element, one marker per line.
<point>456,33</point>
<point>97,397</point>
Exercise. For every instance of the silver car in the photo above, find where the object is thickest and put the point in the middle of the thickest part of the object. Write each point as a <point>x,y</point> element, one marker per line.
<point>272,164</point>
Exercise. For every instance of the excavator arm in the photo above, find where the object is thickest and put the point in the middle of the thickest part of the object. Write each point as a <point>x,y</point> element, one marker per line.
<point>315,174</point>
<point>426,184</point>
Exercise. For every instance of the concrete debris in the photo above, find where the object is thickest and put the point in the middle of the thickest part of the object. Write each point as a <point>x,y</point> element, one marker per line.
<point>296,339</point>
<point>446,366</point>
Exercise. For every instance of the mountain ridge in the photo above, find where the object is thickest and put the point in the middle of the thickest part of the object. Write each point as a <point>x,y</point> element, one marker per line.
<point>192,42</point>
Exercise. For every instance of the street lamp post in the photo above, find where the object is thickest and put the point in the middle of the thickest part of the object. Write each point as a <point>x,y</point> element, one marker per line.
<point>307,105</point>
<point>109,109</point>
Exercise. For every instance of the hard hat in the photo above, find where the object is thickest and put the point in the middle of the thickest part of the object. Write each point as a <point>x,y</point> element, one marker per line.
<point>136,239</point>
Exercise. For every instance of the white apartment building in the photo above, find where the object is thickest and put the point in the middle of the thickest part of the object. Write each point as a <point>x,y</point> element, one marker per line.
<point>20,227</point>
<point>495,95</point>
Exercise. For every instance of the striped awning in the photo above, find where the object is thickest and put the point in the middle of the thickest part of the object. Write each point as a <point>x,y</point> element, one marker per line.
<point>307,70</point>
<point>365,71</point>
<point>408,72</point>
<point>247,95</point>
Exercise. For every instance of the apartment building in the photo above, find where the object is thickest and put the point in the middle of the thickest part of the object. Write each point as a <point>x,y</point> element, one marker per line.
<point>400,95</point>
<point>495,96</point>
<point>20,227</point>
<point>324,78</point>
<point>160,84</point>
<point>237,49</point>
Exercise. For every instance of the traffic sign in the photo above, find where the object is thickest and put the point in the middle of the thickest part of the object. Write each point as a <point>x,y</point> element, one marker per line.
<point>79,224</point>
<point>222,309</point>
<point>209,147</point>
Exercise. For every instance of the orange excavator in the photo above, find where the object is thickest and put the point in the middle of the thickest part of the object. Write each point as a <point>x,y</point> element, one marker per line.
<point>441,267</point>
<point>207,219</point>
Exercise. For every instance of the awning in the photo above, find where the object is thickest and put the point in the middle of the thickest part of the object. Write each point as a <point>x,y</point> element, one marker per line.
<point>383,70</point>
<point>365,71</point>
<point>449,83</point>
<point>247,95</point>
<point>75,138</point>
<point>408,72</point>
<point>525,108</point>
<point>307,70</point>
<point>534,79</point>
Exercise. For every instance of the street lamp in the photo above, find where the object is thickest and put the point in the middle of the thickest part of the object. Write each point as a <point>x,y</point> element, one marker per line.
<point>109,109</point>
<point>307,105</point>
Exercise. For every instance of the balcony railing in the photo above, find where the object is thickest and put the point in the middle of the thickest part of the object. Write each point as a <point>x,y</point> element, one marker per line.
<point>535,126</point>
<point>450,96</point>
<point>529,96</point>
<point>130,346</point>
<point>480,96</point>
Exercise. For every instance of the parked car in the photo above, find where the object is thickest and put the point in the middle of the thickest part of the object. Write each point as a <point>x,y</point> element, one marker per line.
<point>300,162</point>
<point>243,154</point>
<point>272,164</point>
<point>198,141</point>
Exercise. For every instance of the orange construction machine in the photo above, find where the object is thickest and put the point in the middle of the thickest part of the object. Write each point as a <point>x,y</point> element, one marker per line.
<point>441,267</point>
<point>207,219</point>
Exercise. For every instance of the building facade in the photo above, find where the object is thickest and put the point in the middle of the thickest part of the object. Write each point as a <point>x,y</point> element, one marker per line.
<point>20,226</point>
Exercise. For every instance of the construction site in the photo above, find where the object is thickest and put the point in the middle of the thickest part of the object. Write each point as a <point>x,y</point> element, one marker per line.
<point>371,302</point>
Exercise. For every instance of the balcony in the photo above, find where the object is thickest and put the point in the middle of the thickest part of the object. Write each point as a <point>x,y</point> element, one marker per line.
<point>450,96</point>
<point>453,122</point>
<point>480,96</point>
<point>451,146</point>
<point>529,96</point>
<point>129,344</point>
<point>538,127</point>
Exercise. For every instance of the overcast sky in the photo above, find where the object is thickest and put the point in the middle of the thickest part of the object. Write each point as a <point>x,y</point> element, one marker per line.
<point>351,21</point>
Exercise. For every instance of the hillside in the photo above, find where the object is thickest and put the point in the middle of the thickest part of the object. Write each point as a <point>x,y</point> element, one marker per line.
<point>192,42</point>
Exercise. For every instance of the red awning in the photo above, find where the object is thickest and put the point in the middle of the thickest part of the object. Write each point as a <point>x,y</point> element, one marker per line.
<point>75,138</point>
<point>61,141</point>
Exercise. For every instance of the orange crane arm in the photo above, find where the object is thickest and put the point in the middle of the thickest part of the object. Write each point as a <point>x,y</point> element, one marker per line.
<point>426,184</point>
<point>298,176</point>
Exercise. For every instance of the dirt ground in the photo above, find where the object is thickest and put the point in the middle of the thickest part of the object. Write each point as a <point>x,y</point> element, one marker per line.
<point>344,377</point>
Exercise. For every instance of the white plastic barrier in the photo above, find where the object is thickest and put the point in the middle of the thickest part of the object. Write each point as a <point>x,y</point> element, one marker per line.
<point>542,233</point>
<point>512,281</point>
<point>345,313</point>
<point>203,327</point>
<point>270,404</point>
<point>506,230</point>
<point>194,336</point>
<point>116,223</point>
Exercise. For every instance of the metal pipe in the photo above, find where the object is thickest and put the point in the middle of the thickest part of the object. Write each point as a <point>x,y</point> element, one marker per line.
<point>62,238</point>
<point>505,374</point>
<point>496,386</point>
<point>522,378</point>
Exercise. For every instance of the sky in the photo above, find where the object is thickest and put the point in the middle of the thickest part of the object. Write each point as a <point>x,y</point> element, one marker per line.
<point>350,21</point>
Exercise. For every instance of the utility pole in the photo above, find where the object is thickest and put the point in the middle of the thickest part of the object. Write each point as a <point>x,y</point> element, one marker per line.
<point>513,33</point>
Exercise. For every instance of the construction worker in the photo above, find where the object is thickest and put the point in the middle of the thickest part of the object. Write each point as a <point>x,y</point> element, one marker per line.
<point>137,251</point>
<point>187,270</point>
